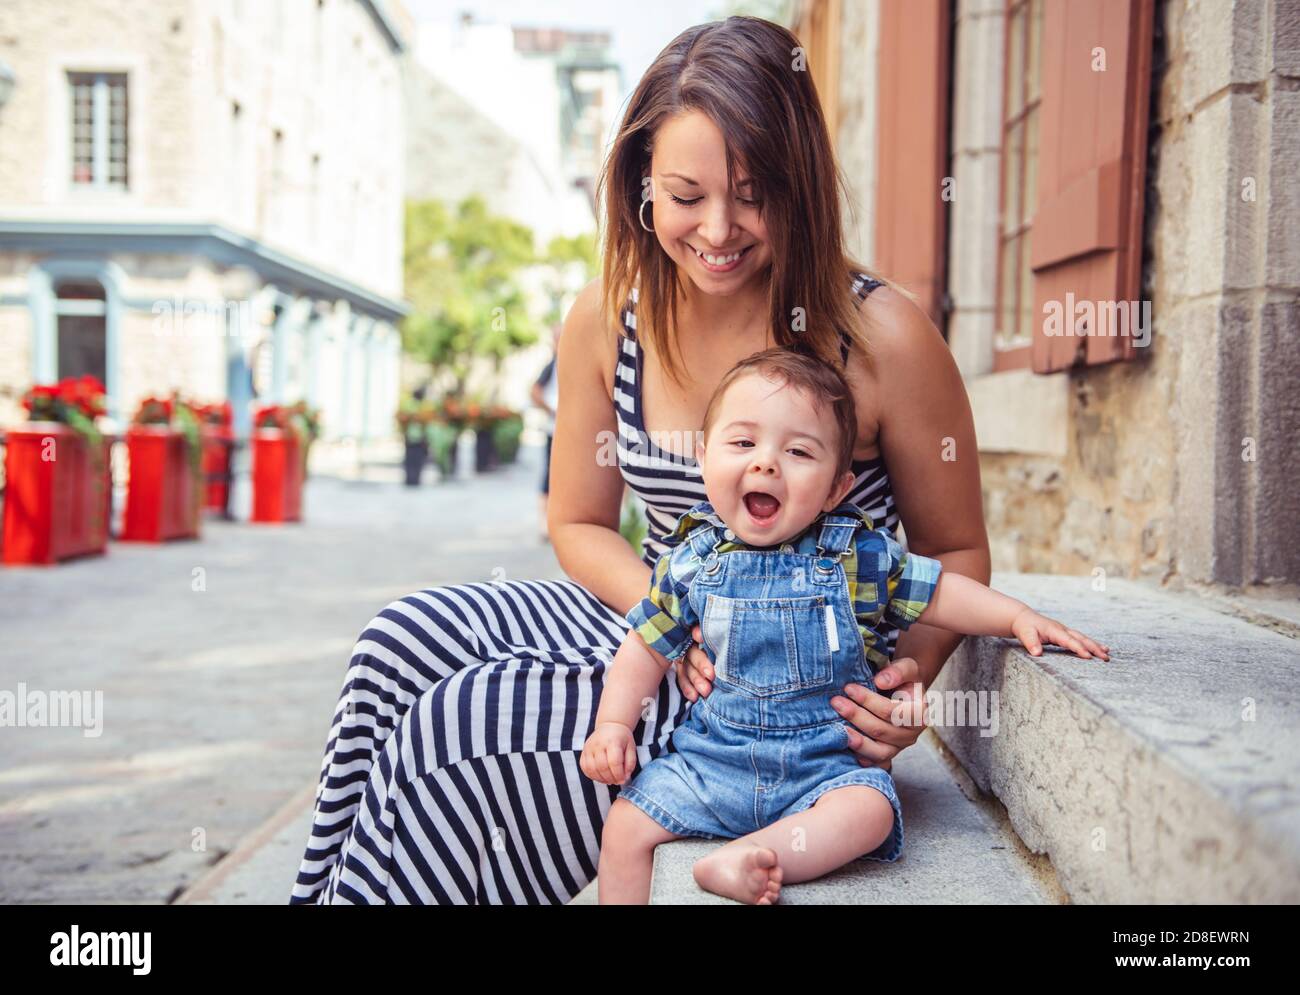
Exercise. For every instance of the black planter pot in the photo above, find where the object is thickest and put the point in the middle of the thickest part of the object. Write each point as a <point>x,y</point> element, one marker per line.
<point>417,454</point>
<point>485,452</point>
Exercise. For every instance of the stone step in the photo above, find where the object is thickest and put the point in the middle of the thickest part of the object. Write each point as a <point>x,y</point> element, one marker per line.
<point>1170,774</point>
<point>263,868</point>
<point>957,849</point>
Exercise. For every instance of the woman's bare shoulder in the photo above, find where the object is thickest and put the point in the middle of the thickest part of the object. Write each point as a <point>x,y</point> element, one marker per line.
<point>909,360</point>
<point>897,328</point>
<point>911,374</point>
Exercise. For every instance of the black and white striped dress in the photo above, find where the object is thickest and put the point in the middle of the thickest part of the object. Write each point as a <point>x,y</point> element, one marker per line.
<point>451,767</point>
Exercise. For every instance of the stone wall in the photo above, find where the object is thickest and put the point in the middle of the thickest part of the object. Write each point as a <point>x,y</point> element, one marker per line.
<point>1180,466</point>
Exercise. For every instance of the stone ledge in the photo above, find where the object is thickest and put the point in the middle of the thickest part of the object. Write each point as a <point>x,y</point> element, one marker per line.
<point>1148,778</point>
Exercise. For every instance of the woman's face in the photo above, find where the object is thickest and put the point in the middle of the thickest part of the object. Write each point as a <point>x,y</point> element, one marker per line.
<point>695,213</point>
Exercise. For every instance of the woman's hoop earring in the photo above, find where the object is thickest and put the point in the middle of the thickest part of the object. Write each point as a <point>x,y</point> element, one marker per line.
<point>641,214</point>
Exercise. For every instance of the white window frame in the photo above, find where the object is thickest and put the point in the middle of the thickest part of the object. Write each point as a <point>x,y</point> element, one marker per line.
<point>100,122</point>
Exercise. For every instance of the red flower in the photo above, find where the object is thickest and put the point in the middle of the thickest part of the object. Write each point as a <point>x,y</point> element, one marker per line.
<point>54,401</point>
<point>85,394</point>
<point>218,415</point>
<point>271,416</point>
<point>154,411</point>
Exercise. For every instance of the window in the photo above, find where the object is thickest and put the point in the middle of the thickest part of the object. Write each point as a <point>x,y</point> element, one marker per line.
<point>99,129</point>
<point>1089,184</point>
<point>81,330</point>
<point>1022,95</point>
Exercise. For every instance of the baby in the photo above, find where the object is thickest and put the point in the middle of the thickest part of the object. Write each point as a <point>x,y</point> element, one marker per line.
<point>789,584</point>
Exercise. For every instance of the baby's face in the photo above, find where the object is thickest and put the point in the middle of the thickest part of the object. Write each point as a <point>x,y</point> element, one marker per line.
<point>769,463</point>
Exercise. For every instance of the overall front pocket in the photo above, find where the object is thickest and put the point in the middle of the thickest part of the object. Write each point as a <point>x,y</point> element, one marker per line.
<point>769,646</point>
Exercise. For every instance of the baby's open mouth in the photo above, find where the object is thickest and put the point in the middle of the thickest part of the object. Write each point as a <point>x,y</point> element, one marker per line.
<point>761,507</point>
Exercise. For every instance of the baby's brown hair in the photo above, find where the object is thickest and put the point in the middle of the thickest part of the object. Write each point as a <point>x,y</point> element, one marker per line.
<point>820,381</point>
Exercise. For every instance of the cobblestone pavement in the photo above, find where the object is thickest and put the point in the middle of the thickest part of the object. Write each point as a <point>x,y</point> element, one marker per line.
<point>219,663</point>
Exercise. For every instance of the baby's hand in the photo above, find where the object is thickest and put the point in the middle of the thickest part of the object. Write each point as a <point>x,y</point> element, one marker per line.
<point>1033,629</point>
<point>609,755</point>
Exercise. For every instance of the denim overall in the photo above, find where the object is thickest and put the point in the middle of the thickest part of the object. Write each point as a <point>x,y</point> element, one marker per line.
<point>779,628</point>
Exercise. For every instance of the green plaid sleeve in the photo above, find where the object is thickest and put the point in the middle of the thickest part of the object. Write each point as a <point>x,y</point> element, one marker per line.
<point>910,582</point>
<point>665,618</point>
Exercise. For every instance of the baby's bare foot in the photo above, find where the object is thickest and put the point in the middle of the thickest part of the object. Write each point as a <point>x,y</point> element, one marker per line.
<point>744,872</point>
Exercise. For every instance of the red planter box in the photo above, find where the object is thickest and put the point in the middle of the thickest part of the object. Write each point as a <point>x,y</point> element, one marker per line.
<point>162,499</point>
<point>218,443</point>
<point>56,506</point>
<point>277,476</point>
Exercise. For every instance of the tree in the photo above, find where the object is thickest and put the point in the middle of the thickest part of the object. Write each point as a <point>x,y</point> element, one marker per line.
<point>462,269</point>
<point>572,260</point>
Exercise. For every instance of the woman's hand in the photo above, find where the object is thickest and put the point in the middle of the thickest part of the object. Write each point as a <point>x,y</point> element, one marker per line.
<point>694,670</point>
<point>880,726</point>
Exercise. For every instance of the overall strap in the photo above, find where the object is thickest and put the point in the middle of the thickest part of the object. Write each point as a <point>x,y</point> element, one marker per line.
<point>703,539</point>
<point>837,531</point>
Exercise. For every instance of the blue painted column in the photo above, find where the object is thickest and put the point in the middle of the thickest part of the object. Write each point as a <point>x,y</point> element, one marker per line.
<point>315,342</point>
<point>367,375</point>
<point>279,355</point>
<point>345,369</point>
<point>45,347</point>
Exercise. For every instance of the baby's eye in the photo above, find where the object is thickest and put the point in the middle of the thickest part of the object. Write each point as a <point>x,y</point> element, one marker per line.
<point>800,452</point>
<point>742,442</point>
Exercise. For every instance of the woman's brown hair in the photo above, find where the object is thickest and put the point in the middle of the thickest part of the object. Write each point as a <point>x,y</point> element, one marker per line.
<point>748,76</point>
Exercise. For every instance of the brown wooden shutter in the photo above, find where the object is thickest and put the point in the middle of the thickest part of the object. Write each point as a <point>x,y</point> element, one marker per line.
<point>1087,231</point>
<point>912,148</point>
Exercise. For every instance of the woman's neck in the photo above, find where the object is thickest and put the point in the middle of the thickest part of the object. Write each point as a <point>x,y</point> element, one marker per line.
<point>723,317</point>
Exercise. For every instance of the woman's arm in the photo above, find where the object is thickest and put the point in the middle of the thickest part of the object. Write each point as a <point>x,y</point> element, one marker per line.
<point>586,496</point>
<point>927,440</point>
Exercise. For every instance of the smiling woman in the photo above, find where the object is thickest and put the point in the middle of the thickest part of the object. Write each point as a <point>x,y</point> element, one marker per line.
<point>724,139</point>
<point>451,772</point>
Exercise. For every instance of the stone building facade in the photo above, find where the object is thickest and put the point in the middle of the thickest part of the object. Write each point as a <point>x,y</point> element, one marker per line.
<point>204,195</point>
<point>1171,459</point>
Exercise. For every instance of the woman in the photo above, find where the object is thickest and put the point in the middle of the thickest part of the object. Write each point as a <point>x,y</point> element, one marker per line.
<point>451,769</point>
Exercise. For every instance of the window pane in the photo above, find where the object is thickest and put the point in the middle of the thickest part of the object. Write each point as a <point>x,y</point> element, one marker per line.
<point>1011,180</point>
<point>118,113</point>
<point>81,346</point>
<point>1015,63</point>
<point>70,291</point>
<point>1030,198</point>
<point>1007,290</point>
<point>1026,323</point>
<point>1034,72</point>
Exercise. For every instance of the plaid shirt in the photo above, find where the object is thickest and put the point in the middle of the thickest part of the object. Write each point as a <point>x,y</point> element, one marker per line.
<point>876,565</point>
